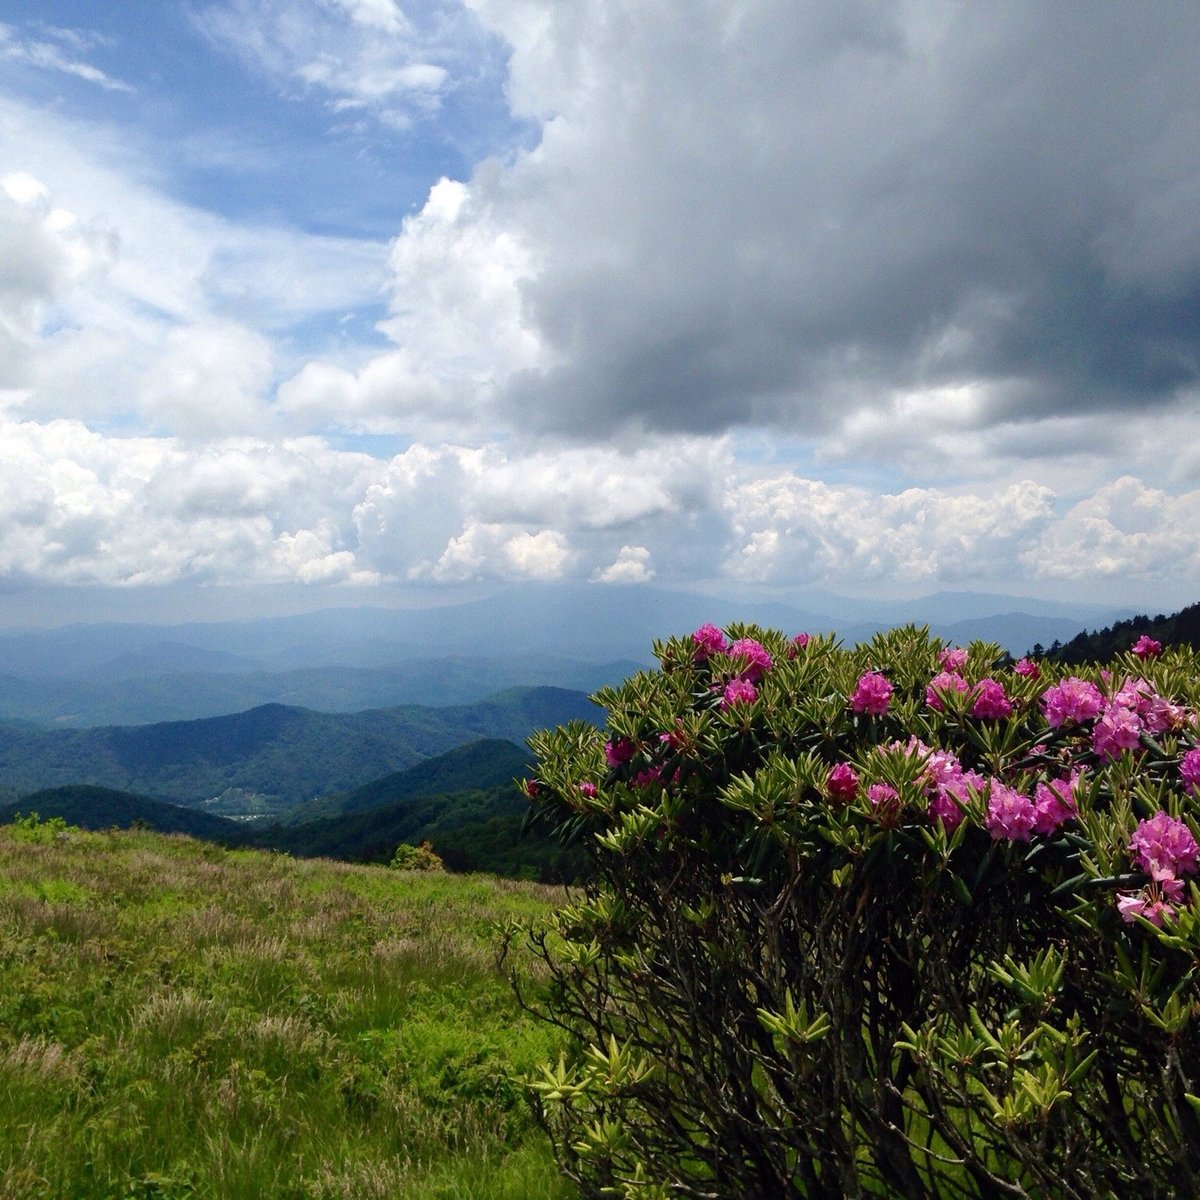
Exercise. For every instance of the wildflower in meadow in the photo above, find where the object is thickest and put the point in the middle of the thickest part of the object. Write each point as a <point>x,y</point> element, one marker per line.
<point>871,694</point>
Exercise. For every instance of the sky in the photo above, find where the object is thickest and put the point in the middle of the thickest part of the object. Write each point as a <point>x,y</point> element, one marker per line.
<point>376,299</point>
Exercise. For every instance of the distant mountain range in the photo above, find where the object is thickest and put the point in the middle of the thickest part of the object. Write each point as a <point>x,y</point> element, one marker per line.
<point>103,697</point>
<point>273,757</point>
<point>578,637</point>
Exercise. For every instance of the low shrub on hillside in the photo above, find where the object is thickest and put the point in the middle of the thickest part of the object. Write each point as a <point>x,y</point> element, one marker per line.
<point>884,921</point>
<point>416,858</point>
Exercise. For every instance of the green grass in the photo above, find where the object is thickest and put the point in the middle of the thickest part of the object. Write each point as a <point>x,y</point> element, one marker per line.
<point>179,1021</point>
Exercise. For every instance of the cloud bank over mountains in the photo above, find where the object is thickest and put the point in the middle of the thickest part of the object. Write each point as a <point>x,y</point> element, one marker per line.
<point>845,293</point>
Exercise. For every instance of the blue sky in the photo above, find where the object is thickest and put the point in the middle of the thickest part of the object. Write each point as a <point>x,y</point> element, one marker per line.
<point>235,134</point>
<point>364,299</point>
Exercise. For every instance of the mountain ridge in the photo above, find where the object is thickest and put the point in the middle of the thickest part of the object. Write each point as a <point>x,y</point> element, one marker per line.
<point>273,756</point>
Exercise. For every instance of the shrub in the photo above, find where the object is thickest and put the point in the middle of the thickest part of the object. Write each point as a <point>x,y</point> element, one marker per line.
<point>416,858</point>
<point>897,920</point>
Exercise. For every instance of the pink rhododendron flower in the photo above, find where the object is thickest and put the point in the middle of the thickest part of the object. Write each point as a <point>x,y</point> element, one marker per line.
<point>708,640</point>
<point>1010,815</point>
<point>1054,804</point>
<point>1189,769</point>
<point>647,776</point>
<point>1028,668</point>
<point>738,691</point>
<point>885,800</point>
<point>1072,700</point>
<point>1156,713</point>
<point>953,661</point>
<point>946,784</point>
<point>1119,729</point>
<point>944,807</point>
<point>532,788</point>
<point>1146,647</point>
<point>945,681</point>
<point>872,693</point>
<point>991,703</point>
<point>1144,904</point>
<point>798,643</point>
<point>756,656</point>
<point>842,782</point>
<point>1164,847</point>
<point>619,752</point>
<point>587,788</point>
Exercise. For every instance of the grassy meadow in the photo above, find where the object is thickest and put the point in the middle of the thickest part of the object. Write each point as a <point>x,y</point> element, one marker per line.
<point>181,1021</point>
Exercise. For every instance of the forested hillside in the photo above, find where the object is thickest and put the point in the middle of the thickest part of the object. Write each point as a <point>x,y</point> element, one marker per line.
<point>464,802</point>
<point>1178,629</point>
<point>271,758</point>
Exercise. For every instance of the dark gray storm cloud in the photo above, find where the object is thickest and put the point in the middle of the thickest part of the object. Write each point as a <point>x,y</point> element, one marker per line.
<point>781,213</point>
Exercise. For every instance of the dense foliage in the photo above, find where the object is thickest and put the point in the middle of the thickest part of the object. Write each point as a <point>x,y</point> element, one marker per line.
<point>883,921</point>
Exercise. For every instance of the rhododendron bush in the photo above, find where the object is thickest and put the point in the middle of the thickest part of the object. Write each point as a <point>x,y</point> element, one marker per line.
<point>896,920</point>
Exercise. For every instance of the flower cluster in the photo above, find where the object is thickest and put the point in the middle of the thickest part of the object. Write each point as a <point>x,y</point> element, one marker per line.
<point>1164,848</point>
<point>990,702</point>
<point>872,694</point>
<point>1092,726</point>
<point>751,657</point>
<point>944,781</point>
<point>944,681</point>
<point>1146,647</point>
<point>1073,701</point>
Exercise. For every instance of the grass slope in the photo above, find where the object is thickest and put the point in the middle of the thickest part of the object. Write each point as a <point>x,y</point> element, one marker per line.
<point>281,754</point>
<point>184,1022</point>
